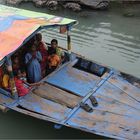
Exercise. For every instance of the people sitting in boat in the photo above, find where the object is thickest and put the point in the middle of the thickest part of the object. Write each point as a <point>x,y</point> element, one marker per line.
<point>32,61</point>
<point>53,61</point>
<point>16,62</point>
<point>54,46</point>
<point>23,75</point>
<point>5,81</point>
<point>22,86</point>
<point>42,48</point>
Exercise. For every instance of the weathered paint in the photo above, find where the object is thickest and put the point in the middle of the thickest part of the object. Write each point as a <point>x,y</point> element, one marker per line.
<point>7,101</point>
<point>37,104</point>
<point>110,90</point>
<point>74,80</point>
<point>57,95</point>
<point>106,123</point>
<point>117,114</point>
<point>125,86</point>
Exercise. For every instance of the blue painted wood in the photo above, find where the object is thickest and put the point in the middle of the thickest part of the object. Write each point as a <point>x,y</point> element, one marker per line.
<point>125,86</point>
<point>43,106</point>
<point>106,123</point>
<point>74,80</point>
<point>88,95</point>
<point>7,101</point>
<point>4,92</point>
<point>111,91</point>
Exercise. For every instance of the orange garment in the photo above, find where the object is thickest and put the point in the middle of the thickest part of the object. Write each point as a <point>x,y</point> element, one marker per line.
<point>54,60</point>
<point>5,81</point>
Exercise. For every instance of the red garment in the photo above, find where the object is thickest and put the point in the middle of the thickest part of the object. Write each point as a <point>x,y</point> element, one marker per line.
<point>21,89</point>
<point>43,50</point>
<point>16,67</point>
<point>1,75</point>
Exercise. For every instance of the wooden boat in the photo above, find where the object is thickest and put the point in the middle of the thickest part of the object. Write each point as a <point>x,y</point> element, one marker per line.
<point>59,99</point>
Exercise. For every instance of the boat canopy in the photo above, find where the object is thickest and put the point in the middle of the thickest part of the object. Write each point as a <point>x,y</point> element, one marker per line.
<point>18,25</point>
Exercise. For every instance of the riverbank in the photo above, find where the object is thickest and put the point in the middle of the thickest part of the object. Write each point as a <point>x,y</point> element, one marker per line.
<point>74,5</point>
<point>78,5</point>
<point>106,37</point>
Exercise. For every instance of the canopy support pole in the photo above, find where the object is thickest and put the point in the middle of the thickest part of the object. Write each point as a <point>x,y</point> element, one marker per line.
<point>68,41</point>
<point>11,75</point>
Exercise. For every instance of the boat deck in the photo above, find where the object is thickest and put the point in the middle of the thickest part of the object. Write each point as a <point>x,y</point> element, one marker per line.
<point>57,100</point>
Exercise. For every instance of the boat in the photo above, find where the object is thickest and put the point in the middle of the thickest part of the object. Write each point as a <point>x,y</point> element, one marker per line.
<point>65,96</point>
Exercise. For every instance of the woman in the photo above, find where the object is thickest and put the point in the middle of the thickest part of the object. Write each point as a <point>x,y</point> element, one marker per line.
<point>32,61</point>
<point>42,48</point>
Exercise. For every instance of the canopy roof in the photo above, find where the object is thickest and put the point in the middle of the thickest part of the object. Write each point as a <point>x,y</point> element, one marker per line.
<point>16,25</point>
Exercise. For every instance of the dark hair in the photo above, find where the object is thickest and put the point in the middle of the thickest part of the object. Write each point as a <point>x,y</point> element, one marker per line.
<point>30,48</point>
<point>15,56</point>
<point>15,72</point>
<point>23,70</point>
<point>54,40</point>
<point>38,36</point>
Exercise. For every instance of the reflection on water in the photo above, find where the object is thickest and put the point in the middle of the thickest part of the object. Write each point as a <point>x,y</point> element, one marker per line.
<point>105,37</point>
<point>15,125</point>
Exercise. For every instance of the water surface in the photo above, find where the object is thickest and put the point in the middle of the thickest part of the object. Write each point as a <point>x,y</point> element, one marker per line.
<point>105,37</point>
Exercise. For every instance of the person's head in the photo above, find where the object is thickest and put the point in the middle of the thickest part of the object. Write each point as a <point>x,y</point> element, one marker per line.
<point>54,43</point>
<point>16,59</point>
<point>38,37</point>
<point>23,72</point>
<point>33,48</point>
<point>18,74</point>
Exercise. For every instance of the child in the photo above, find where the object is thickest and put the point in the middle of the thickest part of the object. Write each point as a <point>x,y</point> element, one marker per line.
<point>23,75</point>
<point>23,87</point>
<point>53,61</point>
<point>32,61</point>
<point>54,46</point>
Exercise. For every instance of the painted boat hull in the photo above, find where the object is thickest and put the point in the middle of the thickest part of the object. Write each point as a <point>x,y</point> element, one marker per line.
<point>117,114</point>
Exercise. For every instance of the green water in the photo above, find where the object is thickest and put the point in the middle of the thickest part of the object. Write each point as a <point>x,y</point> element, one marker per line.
<point>105,37</point>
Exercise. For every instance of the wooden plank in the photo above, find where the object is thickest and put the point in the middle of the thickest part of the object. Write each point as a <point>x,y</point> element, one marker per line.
<point>105,123</point>
<point>111,91</point>
<point>127,87</point>
<point>74,80</point>
<point>6,100</point>
<point>42,106</point>
<point>57,95</point>
<point>108,104</point>
<point>33,114</point>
